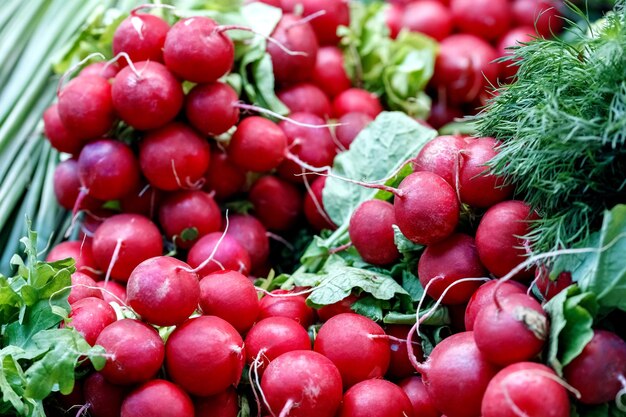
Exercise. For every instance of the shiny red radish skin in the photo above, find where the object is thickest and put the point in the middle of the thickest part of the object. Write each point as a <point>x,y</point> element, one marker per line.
<point>66,183</point>
<point>224,404</point>
<point>304,381</point>
<point>197,51</point>
<point>525,388</point>
<point>441,114</point>
<point>541,14</point>
<point>487,19</point>
<point>549,288</point>
<point>157,398</point>
<point>271,337</point>
<point>80,252</point>
<point>290,306</point>
<point>223,177</point>
<point>375,398</point>
<point>442,156</point>
<point>229,254</point>
<point>429,17</point>
<point>104,399</point>
<point>315,213</point>
<point>210,108</point>
<point>277,203</point>
<point>329,73</point>
<point>399,364</point>
<point>331,310</point>
<point>336,13</point>
<point>58,135</point>
<point>513,38</point>
<point>356,100</point>
<point>135,352</point>
<point>101,69</point>
<point>305,98</point>
<point>252,236</point>
<point>142,37</point>
<point>83,286</point>
<point>112,291</point>
<point>422,404</point>
<point>143,200</point>
<point>90,316</point>
<point>350,125</point>
<point>483,297</point>
<point>205,356</point>
<point>257,145</point>
<point>149,99</point>
<point>371,232</point>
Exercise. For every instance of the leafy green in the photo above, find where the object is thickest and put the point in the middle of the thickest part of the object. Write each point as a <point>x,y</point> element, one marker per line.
<point>404,245</point>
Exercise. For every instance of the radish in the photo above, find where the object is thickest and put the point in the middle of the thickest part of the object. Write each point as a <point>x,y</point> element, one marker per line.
<point>223,177</point>
<point>393,18</point>
<point>329,73</point>
<point>225,252</point>
<point>314,207</point>
<point>356,345</point>
<point>429,17</point>
<point>282,304</point>
<point>66,183</point>
<point>163,291</point>
<point>112,291</point>
<point>81,253</point>
<point>186,216</point>
<point>211,109</point>
<point>86,107</point>
<point>59,136</point>
<point>231,296</point>
<point>205,356</point>
<point>477,186</point>
<point>101,69</point>
<point>197,50</point>
<point>89,316</point>
<point>422,404</point>
<point>331,310</point>
<point>124,241</point>
<point>330,15</point>
<point>83,286</point>
<point>448,261</point>
<point>399,364</point>
<point>146,95</point>
<point>512,38</point>
<point>142,200</point>
<point>141,36</point>
<point>157,398</point>
<point>513,329</point>
<point>305,98</point>
<point>135,352</point>
<point>224,404</point>
<point>257,145</point>
<point>548,288</point>
<point>104,399</point>
<point>74,399</point>
<point>350,125</point>
<point>483,297</point>
<point>371,232</point>
<point>603,361</point>
<point>499,237</point>
<point>277,203</point>
<point>528,389</point>
<point>107,169</point>
<point>92,220</point>
<point>488,19</point>
<point>442,157</point>
<point>252,236</point>
<point>375,398</point>
<point>544,15</point>
<point>456,375</point>
<point>273,336</point>
<point>174,157</point>
<point>356,100</point>
<point>302,383</point>
<point>441,114</point>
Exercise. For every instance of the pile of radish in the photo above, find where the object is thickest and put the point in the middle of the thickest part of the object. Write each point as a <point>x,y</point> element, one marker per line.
<point>161,148</point>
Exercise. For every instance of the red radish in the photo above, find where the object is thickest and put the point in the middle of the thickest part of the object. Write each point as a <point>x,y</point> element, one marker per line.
<point>512,38</point>
<point>252,236</point>
<point>488,19</point>
<point>277,203</point>
<point>142,200</point>
<point>194,212</point>
<point>429,17</point>
<point>464,67</point>
<point>229,255</point>
<point>224,404</point>
<point>477,186</point>
<point>210,108</point>
<point>124,241</point>
<point>350,125</point>
<point>197,51</point>
<point>89,316</point>
<point>297,36</point>
<point>456,376</point>
<point>205,356</point>
<point>393,17</point>
<point>273,336</point>
<point>329,73</point>
<point>356,100</point>
<point>498,238</point>
<point>101,69</point>
<point>484,297</point>
<point>83,286</point>
<point>442,114</point>
<point>104,399</point>
<point>549,288</point>
<point>231,296</point>
<point>112,291</point>
<point>375,398</point>
<point>335,13</point>
<point>399,364</point>
<point>512,330</point>
<point>371,232</point>
<point>81,253</point>
<point>157,398</point>
<point>442,157</point>
<point>257,145</point>
<point>141,36</point>
<point>313,146</point>
<point>223,176</point>
<point>163,291</point>
<point>603,361</point>
<point>174,157</point>
<point>302,383</point>
<point>331,310</point>
<point>305,98</point>
<point>107,169</point>
<point>86,107</point>
<point>427,211</point>
<point>284,305</point>
<point>314,207</point>
<point>66,183</point>
<point>356,345</point>
<point>528,389</point>
<point>149,98</point>
<point>423,405</point>
<point>544,15</point>
<point>91,220</point>
<point>59,136</point>
<point>448,261</point>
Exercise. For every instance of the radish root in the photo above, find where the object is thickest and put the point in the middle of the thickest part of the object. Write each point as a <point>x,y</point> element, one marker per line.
<point>282,47</point>
<point>128,60</point>
<point>252,107</point>
<point>212,254</point>
<point>619,403</point>
<point>114,258</point>
<point>73,69</point>
<point>151,6</point>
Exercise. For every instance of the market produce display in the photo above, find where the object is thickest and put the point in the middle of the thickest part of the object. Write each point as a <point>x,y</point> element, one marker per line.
<point>276,209</point>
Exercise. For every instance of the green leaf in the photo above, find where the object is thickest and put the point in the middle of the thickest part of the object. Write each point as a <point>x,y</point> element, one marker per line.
<point>370,307</point>
<point>10,301</point>
<point>190,233</point>
<point>412,285</point>
<point>403,244</point>
<point>440,317</point>
<point>37,318</point>
<point>376,153</point>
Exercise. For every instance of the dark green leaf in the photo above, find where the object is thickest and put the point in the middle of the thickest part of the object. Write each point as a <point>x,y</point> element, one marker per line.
<point>403,244</point>
<point>190,233</point>
<point>37,318</point>
<point>412,285</point>
<point>10,301</point>
<point>370,307</point>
